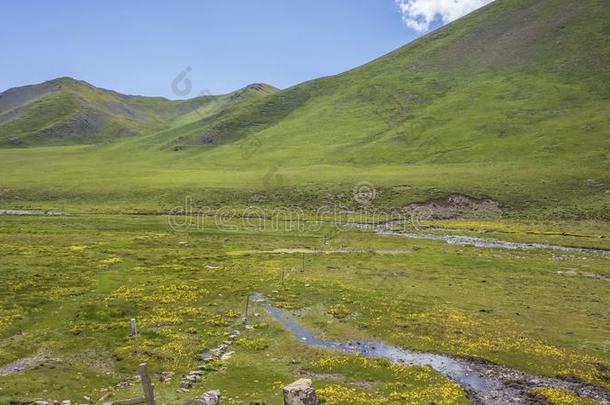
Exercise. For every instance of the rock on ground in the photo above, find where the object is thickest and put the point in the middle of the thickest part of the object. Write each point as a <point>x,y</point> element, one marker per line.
<point>300,392</point>
<point>209,398</point>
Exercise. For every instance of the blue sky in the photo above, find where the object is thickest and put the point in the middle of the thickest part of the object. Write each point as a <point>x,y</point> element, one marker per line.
<point>139,47</point>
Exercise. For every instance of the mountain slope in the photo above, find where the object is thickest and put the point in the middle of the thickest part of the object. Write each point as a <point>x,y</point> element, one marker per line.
<point>510,102</point>
<point>515,79</point>
<point>68,111</point>
<point>65,111</point>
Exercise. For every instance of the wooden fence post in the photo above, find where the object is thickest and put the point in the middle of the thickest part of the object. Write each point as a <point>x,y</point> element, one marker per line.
<point>134,327</point>
<point>147,387</point>
<point>247,304</point>
<point>149,394</point>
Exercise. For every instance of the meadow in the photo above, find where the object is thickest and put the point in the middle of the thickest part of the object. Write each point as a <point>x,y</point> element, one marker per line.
<point>72,284</point>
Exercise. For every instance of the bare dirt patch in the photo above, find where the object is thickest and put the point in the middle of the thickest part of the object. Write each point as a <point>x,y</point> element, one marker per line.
<point>455,206</point>
<point>585,274</point>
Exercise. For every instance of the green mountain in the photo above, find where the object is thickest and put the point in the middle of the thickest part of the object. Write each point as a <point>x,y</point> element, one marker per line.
<point>65,111</point>
<point>511,102</point>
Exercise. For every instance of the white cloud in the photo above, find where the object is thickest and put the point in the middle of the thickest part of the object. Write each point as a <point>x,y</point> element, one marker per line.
<point>419,14</point>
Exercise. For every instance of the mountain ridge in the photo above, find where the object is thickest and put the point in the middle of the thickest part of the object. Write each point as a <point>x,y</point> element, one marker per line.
<point>66,110</point>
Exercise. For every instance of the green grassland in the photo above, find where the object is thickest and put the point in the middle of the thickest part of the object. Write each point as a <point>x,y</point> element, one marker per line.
<point>71,284</point>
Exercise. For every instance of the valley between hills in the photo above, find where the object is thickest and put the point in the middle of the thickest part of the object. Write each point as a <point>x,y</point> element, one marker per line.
<point>429,228</point>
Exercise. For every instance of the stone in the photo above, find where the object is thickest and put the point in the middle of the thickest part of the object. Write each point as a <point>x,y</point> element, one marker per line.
<point>209,398</point>
<point>300,392</point>
<point>226,356</point>
<point>123,384</point>
<point>191,378</point>
<point>166,376</point>
<point>105,396</point>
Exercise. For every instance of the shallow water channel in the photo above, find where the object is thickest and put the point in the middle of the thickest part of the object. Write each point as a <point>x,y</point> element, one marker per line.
<point>484,383</point>
<point>479,242</point>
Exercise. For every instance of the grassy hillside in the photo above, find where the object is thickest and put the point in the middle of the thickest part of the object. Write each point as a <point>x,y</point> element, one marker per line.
<point>510,102</point>
<point>64,111</point>
<point>68,111</point>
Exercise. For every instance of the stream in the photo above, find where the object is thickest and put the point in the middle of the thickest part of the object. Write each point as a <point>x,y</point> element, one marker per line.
<point>484,383</point>
<point>20,364</point>
<point>481,242</point>
<point>30,212</point>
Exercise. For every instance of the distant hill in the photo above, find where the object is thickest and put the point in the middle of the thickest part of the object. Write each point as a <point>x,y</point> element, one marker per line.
<point>511,102</point>
<point>67,111</point>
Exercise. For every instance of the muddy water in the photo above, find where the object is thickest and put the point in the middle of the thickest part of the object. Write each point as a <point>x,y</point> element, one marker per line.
<point>485,383</point>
